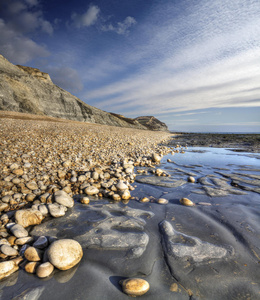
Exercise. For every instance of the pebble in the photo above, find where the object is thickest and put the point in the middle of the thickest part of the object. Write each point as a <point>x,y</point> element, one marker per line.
<point>56,210</point>
<point>65,253</point>
<point>28,217</point>
<point>121,186</point>
<point>44,270</point>
<point>162,201</point>
<point>91,190</point>
<point>41,242</point>
<point>31,267</point>
<point>8,250</point>
<point>85,200</point>
<point>125,195</point>
<point>187,202</point>
<point>33,254</point>
<point>63,198</point>
<point>191,179</point>
<point>135,286</point>
<point>144,200</point>
<point>156,157</point>
<point>19,231</point>
<point>23,240</point>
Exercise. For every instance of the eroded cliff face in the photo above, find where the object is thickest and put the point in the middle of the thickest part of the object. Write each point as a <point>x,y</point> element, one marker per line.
<point>28,90</point>
<point>152,123</point>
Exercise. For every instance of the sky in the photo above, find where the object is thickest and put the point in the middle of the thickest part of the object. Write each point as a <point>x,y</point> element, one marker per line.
<point>193,64</point>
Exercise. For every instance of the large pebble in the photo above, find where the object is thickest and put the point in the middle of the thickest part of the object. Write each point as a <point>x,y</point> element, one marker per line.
<point>41,243</point>
<point>27,217</point>
<point>19,231</point>
<point>186,202</point>
<point>121,186</point>
<point>56,210</point>
<point>156,157</point>
<point>23,240</point>
<point>31,267</point>
<point>65,254</point>
<point>44,270</point>
<point>8,250</point>
<point>135,286</point>
<point>33,254</point>
<point>63,198</point>
<point>91,190</point>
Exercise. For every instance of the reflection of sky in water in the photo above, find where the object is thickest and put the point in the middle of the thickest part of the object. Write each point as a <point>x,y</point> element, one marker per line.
<point>215,157</point>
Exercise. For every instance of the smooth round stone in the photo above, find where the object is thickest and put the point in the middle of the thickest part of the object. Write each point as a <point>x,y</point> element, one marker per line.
<point>187,202</point>
<point>8,250</point>
<point>156,157</point>
<point>28,217</point>
<point>56,210</point>
<point>31,267</point>
<point>116,197</point>
<point>144,200</point>
<point>33,254</point>
<point>11,239</point>
<point>135,286</point>
<point>3,206</point>
<point>41,243</point>
<point>32,185</point>
<point>65,254</point>
<point>43,209</point>
<point>61,197</point>
<point>91,190</point>
<point>24,240</point>
<point>128,170</point>
<point>85,200</point>
<point>125,195</point>
<point>121,186</point>
<point>44,270</point>
<point>191,179</point>
<point>162,201</point>
<point>6,199</point>
<point>19,231</point>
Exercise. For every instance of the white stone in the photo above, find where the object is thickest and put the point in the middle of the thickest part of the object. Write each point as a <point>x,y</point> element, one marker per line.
<point>18,231</point>
<point>63,198</point>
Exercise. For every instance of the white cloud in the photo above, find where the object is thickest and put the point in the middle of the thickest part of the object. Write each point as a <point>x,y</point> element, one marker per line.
<point>16,26</point>
<point>184,68</point>
<point>120,27</point>
<point>87,19</point>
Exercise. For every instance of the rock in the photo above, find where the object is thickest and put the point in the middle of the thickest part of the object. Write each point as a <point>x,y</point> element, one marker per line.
<point>63,198</point>
<point>11,240</point>
<point>19,231</point>
<point>156,157</point>
<point>121,186</point>
<point>91,190</point>
<point>24,240</point>
<point>43,209</point>
<point>9,267</point>
<point>32,185</point>
<point>162,201</point>
<point>33,254</point>
<point>41,243</point>
<point>27,217</point>
<point>44,270</point>
<point>85,200</point>
<point>116,197</point>
<point>65,254</point>
<point>3,206</point>
<point>135,286</point>
<point>144,200</point>
<point>31,267</point>
<point>125,195</point>
<point>186,202</point>
<point>8,250</point>
<point>56,210</point>
<point>191,179</point>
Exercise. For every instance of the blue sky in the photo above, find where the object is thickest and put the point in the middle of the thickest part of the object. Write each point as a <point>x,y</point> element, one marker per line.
<point>194,64</point>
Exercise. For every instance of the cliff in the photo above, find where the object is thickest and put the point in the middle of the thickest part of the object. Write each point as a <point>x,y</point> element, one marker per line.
<point>28,90</point>
<point>152,123</point>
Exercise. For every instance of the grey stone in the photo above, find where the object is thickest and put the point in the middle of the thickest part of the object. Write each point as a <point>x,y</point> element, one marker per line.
<point>19,231</point>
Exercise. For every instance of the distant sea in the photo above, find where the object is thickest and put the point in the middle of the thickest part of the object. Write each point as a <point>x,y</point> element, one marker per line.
<point>210,132</point>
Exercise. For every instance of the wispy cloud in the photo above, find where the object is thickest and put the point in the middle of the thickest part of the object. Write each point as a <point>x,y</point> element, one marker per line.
<point>87,19</point>
<point>120,27</point>
<point>18,22</point>
<point>208,59</point>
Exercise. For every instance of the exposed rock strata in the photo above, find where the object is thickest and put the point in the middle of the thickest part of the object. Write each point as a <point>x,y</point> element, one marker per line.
<point>28,90</point>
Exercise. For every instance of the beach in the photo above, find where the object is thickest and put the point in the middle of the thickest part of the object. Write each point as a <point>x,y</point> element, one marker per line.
<point>207,250</point>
